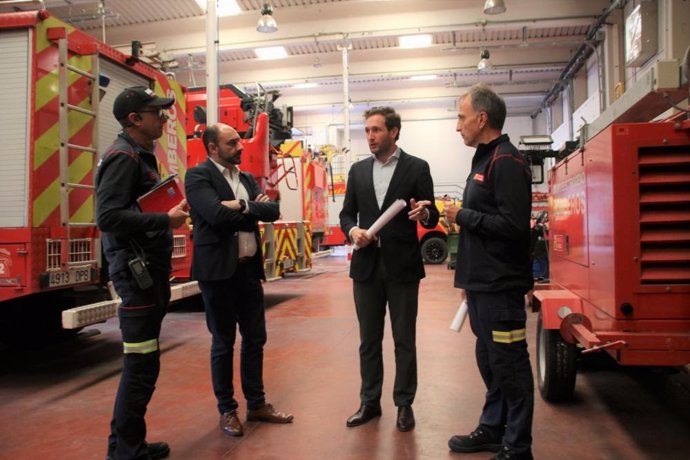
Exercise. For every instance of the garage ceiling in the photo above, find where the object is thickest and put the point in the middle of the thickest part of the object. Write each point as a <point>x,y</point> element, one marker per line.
<point>530,45</point>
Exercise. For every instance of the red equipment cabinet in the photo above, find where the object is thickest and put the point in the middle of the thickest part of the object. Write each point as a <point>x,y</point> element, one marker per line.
<point>619,214</point>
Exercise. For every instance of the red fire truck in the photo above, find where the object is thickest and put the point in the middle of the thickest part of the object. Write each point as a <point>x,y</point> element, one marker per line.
<point>61,84</point>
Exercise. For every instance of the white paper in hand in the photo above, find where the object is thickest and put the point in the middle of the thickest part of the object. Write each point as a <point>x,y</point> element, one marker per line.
<point>397,206</point>
<point>460,316</point>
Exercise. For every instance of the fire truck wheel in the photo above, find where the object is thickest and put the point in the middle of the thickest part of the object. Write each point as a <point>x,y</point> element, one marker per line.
<point>34,322</point>
<point>556,364</point>
<point>434,250</point>
<point>316,243</point>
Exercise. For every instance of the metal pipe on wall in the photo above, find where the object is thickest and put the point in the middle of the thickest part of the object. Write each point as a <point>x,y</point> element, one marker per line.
<point>346,101</point>
<point>211,62</point>
<point>580,57</point>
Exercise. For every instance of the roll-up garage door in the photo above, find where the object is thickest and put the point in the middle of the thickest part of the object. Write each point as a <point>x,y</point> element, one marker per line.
<point>14,127</point>
<point>120,78</point>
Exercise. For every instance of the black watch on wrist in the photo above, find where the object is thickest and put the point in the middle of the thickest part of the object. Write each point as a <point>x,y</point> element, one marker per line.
<point>243,205</point>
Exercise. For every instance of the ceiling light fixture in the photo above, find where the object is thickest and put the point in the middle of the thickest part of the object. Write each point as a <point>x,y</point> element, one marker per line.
<point>415,41</point>
<point>305,85</point>
<point>423,77</point>
<point>494,7</point>
<point>271,52</point>
<point>224,8</point>
<point>484,63</point>
<point>266,22</point>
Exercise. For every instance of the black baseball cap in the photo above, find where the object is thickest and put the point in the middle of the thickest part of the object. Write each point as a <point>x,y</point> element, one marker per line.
<point>135,98</point>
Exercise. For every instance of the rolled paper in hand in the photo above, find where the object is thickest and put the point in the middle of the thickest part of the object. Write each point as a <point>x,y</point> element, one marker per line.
<point>460,316</point>
<point>397,206</point>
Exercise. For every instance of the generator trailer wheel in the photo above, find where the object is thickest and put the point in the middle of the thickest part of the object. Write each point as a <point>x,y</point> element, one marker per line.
<point>434,250</point>
<point>556,364</point>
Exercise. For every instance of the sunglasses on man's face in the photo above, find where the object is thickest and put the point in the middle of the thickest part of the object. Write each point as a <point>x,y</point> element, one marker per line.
<point>160,113</point>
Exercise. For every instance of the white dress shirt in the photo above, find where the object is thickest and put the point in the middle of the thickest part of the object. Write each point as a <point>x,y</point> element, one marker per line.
<point>382,175</point>
<point>247,240</point>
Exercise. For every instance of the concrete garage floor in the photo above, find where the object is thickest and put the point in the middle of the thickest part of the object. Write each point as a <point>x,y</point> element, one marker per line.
<point>55,403</point>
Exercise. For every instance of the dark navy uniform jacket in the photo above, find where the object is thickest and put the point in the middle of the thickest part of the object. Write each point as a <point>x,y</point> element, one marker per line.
<point>494,241</point>
<point>126,172</point>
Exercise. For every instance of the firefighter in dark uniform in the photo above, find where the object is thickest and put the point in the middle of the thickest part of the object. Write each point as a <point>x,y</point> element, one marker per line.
<point>493,267</point>
<point>138,249</point>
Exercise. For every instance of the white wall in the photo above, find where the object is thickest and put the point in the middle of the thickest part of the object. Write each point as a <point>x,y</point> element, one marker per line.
<point>426,132</point>
<point>673,17</point>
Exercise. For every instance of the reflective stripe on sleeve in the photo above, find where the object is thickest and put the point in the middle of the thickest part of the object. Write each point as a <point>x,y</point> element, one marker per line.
<point>516,335</point>
<point>141,347</point>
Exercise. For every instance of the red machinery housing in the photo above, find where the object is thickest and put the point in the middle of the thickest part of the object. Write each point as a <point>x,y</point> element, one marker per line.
<point>237,110</point>
<point>286,243</point>
<point>619,215</point>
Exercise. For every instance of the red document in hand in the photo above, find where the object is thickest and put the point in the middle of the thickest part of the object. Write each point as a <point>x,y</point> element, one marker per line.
<point>162,196</point>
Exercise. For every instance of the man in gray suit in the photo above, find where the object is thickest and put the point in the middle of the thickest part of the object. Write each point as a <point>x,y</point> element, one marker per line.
<point>386,269</point>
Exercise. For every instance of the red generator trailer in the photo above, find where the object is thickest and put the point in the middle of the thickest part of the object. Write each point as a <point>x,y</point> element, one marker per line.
<point>619,213</point>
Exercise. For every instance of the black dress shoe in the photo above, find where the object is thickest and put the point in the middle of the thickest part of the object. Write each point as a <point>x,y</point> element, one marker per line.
<point>156,450</point>
<point>405,420</point>
<point>507,453</point>
<point>363,415</point>
<point>477,441</point>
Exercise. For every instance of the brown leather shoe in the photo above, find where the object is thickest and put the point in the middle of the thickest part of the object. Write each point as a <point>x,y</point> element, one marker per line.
<point>230,424</point>
<point>267,413</point>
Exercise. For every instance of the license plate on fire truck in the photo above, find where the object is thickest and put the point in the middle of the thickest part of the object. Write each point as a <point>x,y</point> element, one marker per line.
<point>71,276</point>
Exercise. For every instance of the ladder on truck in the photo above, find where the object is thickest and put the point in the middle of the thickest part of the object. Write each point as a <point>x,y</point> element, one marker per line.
<point>81,253</point>
<point>84,315</point>
<point>65,107</point>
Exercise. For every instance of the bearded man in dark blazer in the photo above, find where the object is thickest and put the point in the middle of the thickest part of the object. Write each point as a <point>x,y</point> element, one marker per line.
<point>226,207</point>
<point>386,268</point>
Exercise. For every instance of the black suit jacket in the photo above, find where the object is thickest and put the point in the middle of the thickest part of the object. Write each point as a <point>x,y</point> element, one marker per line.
<point>216,245</point>
<point>400,247</point>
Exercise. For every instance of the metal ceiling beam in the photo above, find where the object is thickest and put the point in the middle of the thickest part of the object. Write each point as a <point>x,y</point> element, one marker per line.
<point>469,72</point>
<point>361,34</point>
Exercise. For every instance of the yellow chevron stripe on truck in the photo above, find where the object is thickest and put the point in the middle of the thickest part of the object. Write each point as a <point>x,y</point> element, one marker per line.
<point>47,143</point>
<point>49,199</point>
<point>173,141</point>
<point>47,86</point>
<point>46,200</point>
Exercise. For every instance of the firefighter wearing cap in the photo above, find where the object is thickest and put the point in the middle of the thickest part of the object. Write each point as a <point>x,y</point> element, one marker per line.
<point>138,249</point>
